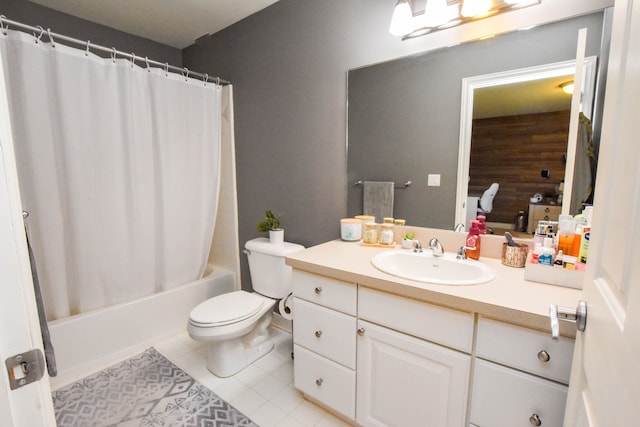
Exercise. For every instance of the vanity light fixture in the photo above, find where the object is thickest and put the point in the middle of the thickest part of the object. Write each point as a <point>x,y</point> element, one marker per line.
<point>567,87</point>
<point>441,14</point>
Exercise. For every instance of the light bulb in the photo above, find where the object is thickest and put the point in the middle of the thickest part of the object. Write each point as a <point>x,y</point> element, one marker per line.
<point>436,13</point>
<point>402,19</point>
<point>471,8</point>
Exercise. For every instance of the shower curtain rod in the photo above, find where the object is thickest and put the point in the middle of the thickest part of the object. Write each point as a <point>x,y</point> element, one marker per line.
<point>53,37</point>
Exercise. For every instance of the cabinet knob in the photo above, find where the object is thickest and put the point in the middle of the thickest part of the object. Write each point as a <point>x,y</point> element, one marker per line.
<point>319,383</point>
<point>318,333</point>
<point>543,356</point>
<point>535,420</point>
<point>547,210</point>
<point>318,290</point>
<point>361,331</point>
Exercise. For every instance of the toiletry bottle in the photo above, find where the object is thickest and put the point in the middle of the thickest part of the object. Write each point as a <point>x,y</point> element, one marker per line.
<point>577,240</point>
<point>473,241</point>
<point>566,233</point>
<point>537,248</point>
<point>558,261</point>
<point>584,246</point>
<point>540,234</point>
<point>482,224</point>
<point>547,252</point>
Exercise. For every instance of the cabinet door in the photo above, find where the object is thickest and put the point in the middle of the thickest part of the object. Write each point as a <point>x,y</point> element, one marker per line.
<point>405,381</point>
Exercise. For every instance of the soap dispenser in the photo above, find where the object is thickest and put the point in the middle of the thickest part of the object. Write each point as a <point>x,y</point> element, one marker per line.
<point>473,241</point>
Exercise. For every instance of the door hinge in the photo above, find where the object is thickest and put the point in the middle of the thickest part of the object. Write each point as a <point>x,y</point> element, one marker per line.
<point>25,368</point>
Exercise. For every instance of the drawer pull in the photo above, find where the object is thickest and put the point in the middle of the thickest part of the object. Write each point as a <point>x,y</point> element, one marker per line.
<point>547,210</point>
<point>318,333</point>
<point>319,383</point>
<point>535,420</point>
<point>361,332</point>
<point>543,356</point>
<point>318,290</point>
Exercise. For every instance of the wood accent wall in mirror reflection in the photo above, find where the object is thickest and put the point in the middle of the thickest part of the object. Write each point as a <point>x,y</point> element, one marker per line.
<point>404,118</point>
<point>512,151</point>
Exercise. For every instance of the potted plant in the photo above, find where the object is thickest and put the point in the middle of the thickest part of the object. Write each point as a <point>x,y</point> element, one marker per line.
<point>407,240</point>
<point>271,223</point>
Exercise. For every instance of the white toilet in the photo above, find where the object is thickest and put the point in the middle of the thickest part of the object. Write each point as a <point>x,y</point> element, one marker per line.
<point>236,324</point>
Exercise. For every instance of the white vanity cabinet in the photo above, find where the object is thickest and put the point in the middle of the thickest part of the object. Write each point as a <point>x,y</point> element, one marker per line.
<point>403,379</point>
<point>324,338</point>
<point>520,376</point>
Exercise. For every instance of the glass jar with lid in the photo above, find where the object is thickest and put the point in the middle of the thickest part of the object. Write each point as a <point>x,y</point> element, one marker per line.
<point>370,235</point>
<point>386,235</point>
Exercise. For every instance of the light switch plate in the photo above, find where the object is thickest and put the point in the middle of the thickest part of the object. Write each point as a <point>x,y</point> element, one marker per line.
<point>433,180</point>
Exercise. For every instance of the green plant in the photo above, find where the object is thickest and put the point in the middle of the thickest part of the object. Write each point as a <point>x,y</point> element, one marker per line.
<point>408,236</point>
<point>269,223</point>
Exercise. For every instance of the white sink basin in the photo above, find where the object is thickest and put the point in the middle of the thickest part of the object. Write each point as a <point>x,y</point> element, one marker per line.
<point>424,267</point>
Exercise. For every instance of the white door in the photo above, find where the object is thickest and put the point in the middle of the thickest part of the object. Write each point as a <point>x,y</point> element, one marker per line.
<point>605,381</point>
<point>29,405</point>
<point>408,382</point>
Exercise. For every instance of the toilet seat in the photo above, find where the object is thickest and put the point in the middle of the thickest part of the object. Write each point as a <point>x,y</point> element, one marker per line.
<point>226,309</point>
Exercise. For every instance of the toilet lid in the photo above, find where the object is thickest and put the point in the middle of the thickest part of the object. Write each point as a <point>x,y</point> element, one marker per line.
<point>227,308</point>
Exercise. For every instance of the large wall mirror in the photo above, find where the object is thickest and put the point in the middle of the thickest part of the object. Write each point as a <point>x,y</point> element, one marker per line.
<point>404,117</point>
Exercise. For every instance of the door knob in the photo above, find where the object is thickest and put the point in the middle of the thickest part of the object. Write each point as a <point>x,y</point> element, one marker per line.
<point>579,316</point>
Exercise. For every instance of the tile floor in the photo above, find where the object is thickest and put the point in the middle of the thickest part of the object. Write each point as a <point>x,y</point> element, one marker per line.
<point>263,391</point>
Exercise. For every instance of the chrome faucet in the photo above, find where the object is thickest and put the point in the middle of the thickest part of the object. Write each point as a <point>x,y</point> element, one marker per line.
<point>459,228</point>
<point>462,253</point>
<point>417,247</point>
<point>436,247</point>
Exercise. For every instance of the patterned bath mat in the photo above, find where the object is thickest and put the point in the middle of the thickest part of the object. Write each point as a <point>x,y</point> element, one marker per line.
<point>146,390</point>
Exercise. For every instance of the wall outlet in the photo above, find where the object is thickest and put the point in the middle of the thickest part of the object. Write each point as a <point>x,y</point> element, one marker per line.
<point>433,180</point>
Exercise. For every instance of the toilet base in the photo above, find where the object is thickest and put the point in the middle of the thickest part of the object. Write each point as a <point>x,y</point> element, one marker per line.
<point>229,357</point>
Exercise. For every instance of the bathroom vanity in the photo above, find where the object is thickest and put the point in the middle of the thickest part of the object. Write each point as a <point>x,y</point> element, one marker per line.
<point>381,350</point>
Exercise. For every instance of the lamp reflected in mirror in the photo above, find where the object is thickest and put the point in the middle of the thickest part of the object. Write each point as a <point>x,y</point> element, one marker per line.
<point>440,14</point>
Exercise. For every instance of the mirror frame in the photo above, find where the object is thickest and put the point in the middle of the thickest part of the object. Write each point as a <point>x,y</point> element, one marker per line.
<point>469,84</point>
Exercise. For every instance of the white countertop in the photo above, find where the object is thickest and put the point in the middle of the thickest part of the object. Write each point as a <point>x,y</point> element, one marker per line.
<point>508,297</point>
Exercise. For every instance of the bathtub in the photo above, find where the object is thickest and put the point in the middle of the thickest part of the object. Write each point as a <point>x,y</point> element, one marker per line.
<point>91,341</point>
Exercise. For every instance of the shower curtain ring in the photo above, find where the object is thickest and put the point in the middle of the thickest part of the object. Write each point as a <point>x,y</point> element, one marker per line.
<point>2,27</point>
<point>86,52</point>
<point>185,73</point>
<point>218,81</point>
<point>166,69</point>
<point>205,78</point>
<point>113,54</point>
<point>39,36</point>
<point>53,43</point>
<point>146,61</point>
<point>133,59</point>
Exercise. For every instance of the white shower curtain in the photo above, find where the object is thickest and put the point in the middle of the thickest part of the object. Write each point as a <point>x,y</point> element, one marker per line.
<point>119,171</point>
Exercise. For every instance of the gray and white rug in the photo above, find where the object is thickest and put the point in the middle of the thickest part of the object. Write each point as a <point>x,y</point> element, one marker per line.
<point>146,390</point>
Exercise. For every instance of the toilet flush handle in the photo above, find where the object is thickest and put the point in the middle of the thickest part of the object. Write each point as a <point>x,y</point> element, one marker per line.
<point>246,251</point>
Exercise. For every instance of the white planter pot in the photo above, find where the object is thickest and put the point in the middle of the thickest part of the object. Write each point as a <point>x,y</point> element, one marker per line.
<point>276,236</point>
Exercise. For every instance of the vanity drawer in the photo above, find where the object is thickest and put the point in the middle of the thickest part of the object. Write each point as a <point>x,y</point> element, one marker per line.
<point>326,381</point>
<point>427,321</point>
<point>335,294</point>
<point>505,397</point>
<point>525,349</point>
<point>326,332</point>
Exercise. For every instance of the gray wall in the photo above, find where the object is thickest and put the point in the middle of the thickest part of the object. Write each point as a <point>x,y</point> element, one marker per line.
<point>404,115</point>
<point>288,64</point>
<point>33,14</point>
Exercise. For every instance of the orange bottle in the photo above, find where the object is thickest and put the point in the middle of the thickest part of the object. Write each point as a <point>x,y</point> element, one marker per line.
<point>472,249</point>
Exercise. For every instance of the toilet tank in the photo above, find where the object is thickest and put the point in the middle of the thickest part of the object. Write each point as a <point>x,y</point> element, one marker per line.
<point>270,276</point>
